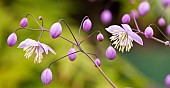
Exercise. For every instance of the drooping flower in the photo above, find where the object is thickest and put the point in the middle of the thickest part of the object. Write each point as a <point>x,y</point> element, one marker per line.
<point>110,53</point>
<point>87,24</point>
<point>24,22</point>
<point>46,76</point>
<point>148,32</point>
<point>161,21</point>
<point>144,8</point>
<point>55,30</point>
<point>97,61</point>
<point>12,39</point>
<point>34,47</point>
<point>123,37</point>
<point>73,55</point>
<point>100,37</point>
<point>106,16</point>
<point>126,19</point>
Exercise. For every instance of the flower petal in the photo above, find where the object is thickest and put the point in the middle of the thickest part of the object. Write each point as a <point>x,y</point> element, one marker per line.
<point>114,28</point>
<point>136,38</point>
<point>50,49</point>
<point>45,47</point>
<point>127,28</point>
<point>27,42</point>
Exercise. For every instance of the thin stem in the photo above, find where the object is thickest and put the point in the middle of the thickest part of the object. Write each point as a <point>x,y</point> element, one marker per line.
<point>81,28</point>
<point>40,35</point>
<point>62,58</point>
<point>69,29</point>
<point>67,40</point>
<point>135,22</point>
<point>34,29</point>
<point>93,54</point>
<point>89,36</point>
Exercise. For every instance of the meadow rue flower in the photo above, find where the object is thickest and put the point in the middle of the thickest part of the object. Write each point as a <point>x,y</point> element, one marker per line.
<point>72,57</point>
<point>165,3</point>
<point>33,47</point>
<point>148,32</point>
<point>12,39</point>
<point>110,53</point>
<point>168,30</point>
<point>135,13</point>
<point>161,21</point>
<point>106,16</point>
<point>126,19</point>
<point>55,30</point>
<point>87,24</point>
<point>100,37</point>
<point>123,37</point>
<point>24,22</point>
<point>46,76</point>
<point>97,61</point>
<point>144,8</point>
<point>167,80</point>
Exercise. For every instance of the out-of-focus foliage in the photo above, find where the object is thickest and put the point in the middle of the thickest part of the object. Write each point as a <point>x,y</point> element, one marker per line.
<point>143,67</point>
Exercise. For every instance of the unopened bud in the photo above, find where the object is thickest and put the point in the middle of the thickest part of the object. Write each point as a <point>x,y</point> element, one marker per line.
<point>46,76</point>
<point>100,37</point>
<point>24,22</point>
<point>73,55</point>
<point>144,8</point>
<point>97,61</point>
<point>12,39</point>
<point>106,16</point>
<point>126,19</point>
<point>165,3</point>
<point>110,53</point>
<point>87,24</point>
<point>148,32</point>
<point>55,30</point>
<point>161,21</point>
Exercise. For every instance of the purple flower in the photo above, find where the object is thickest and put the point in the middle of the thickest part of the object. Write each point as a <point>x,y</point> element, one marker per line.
<point>148,32</point>
<point>165,3</point>
<point>106,16</point>
<point>24,22</point>
<point>97,61</point>
<point>100,37</point>
<point>46,76</point>
<point>167,80</point>
<point>123,37</point>
<point>12,39</point>
<point>87,24</point>
<point>144,8</point>
<point>135,13</point>
<point>73,56</point>
<point>110,53</point>
<point>55,30</point>
<point>126,19</point>
<point>168,30</point>
<point>33,47</point>
<point>161,21</point>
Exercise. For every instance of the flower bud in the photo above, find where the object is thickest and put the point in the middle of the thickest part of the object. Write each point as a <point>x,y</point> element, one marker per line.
<point>40,17</point>
<point>12,39</point>
<point>73,56</point>
<point>167,80</point>
<point>110,53</point>
<point>161,21</point>
<point>55,30</point>
<point>165,3</point>
<point>100,37</point>
<point>46,76</point>
<point>106,16</point>
<point>97,61</point>
<point>24,22</point>
<point>126,19</point>
<point>148,32</point>
<point>135,13</point>
<point>168,30</point>
<point>87,24</point>
<point>144,8</point>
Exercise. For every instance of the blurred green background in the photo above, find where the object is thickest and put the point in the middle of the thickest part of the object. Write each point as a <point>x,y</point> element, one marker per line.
<point>143,67</point>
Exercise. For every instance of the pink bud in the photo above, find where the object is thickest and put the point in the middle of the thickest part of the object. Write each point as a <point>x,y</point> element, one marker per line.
<point>144,8</point>
<point>55,30</point>
<point>100,37</point>
<point>97,61</point>
<point>106,16</point>
<point>73,56</point>
<point>148,32</point>
<point>24,22</point>
<point>161,21</point>
<point>87,24</point>
<point>46,76</point>
<point>168,30</point>
<point>126,19</point>
<point>110,53</point>
<point>12,39</point>
<point>165,3</point>
<point>167,81</point>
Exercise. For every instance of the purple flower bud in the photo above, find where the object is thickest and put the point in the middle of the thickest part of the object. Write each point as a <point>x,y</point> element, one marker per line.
<point>73,56</point>
<point>110,53</point>
<point>87,24</point>
<point>12,39</point>
<point>40,17</point>
<point>165,3</point>
<point>97,61</point>
<point>106,16</point>
<point>46,76</point>
<point>55,30</point>
<point>148,32</point>
<point>168,30</point>
<point>135,13</point>
<point>161,21</point>
<point>126,19</point>
<point>167,80</point>
<point>100,37</point>
<point>144,8</point>
<point>24,22</point>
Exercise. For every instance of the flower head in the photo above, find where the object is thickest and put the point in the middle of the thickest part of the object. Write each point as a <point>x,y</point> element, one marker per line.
<point>87,24</point>
<point>100,37</point>
<point>106,16</point>
<point>144,8</point>
<point>123,37</point>
<point>12,39</point>
<point>55,30</point>
<point>24,22</point>
<point>126,19</point>
<point>33,47</point>
<point>46,76</point>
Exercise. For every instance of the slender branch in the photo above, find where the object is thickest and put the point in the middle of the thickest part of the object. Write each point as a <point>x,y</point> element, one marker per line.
<point>93,54</point>
<point>34,29</point>
<point>135,22</point>
<point>67,40</point>
<point>61,58</point>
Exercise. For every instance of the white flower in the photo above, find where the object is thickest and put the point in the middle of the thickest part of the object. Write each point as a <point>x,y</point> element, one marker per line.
<point>33,47</point>
<point>123,37</point>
